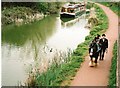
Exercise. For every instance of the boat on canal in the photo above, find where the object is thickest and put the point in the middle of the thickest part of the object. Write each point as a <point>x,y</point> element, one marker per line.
<point>72,10</point>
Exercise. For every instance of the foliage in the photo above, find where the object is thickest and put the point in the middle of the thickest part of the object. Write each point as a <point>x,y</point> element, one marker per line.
<point>102,24</point>
<point>93,21</point>
<point>56,74</point>
<point>13,10</point>
<point>115,6</point>
<point>51,7</point>
<point>112,76</point>
<point>9,14</point>
<point>44,7</point>
<point>89,5</point>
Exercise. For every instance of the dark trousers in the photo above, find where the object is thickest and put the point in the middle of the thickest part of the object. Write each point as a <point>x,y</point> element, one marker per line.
<point>95,56</point>
<point>102,52</point>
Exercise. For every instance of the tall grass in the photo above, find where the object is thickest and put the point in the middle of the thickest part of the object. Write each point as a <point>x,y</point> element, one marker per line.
<point>112,76</point>
<point>57,74</point>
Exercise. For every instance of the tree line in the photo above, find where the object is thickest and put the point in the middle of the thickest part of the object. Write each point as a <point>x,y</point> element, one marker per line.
<point>13,11</point>
<point>44,7</point>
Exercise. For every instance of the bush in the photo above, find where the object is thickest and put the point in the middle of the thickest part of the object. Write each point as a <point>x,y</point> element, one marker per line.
<point>112,76</point>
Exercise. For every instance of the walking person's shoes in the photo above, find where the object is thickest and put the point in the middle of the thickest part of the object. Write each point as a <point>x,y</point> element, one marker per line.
<point>96,64</point>
<point>101,59</point>
<point>91,64</point>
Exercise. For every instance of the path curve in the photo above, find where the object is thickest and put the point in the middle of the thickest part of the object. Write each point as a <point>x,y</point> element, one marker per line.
<point>98,76</point>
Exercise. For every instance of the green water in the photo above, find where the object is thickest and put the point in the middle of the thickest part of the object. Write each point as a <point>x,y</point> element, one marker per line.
<point>34,45</point>
<point>39,31</point>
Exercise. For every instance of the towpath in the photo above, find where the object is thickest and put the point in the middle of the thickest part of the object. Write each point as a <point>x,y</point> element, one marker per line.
<point>99,76</point>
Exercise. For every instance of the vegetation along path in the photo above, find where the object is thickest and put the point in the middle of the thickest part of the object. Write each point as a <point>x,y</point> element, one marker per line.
<point>98,76</point>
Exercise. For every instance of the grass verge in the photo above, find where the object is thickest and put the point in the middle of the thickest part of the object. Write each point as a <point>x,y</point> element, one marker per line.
<point>112,76</point>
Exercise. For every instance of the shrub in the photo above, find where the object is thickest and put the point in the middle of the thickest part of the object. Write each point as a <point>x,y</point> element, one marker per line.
<point>112,76</point>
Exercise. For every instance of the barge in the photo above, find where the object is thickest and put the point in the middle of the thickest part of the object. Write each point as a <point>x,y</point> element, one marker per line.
<point>72,10</point>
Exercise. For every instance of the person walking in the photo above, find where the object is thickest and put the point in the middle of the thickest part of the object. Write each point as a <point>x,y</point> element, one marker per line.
<point>103,45</point>
<point>94,51</point>
<point>97,42</point>
<point>97,37</point>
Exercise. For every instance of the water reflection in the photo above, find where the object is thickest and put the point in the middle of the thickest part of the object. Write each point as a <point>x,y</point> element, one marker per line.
<point>37,31</point>
<point>37,45</point>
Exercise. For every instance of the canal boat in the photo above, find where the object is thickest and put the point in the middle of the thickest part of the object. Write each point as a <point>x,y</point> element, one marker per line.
<point>72,10</point>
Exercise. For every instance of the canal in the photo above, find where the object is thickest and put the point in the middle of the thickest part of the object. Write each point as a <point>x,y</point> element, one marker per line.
<point>35,44</point>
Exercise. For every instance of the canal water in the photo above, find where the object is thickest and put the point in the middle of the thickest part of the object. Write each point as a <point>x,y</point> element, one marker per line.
<point>34,45</point>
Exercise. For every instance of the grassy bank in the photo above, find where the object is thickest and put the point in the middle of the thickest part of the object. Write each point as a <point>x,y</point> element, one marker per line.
<point>114,6</point>
<point>22,12</point>
<point>112,76</point>
<point>9,15</point>
<point>62,74</point>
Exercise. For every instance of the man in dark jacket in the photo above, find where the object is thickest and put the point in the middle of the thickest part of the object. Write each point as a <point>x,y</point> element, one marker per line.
<point>104,45</point>
<point>97,37</point>
<point>94,50</point>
